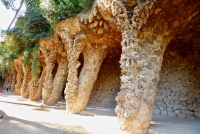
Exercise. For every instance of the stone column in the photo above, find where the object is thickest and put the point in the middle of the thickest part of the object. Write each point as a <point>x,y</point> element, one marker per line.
<point>13,79</point>
<point>26,79</point>
<point>59,80</point>
<point>74,48</point>
<point>50,63</point>
<point>78,90</point>
<point>141,60</point>
<point>19,68</point>
<point>36,87</point>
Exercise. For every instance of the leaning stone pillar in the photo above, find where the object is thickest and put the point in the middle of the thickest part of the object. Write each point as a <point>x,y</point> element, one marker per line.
<point>50,63</point>
<point>74,48</point>
<point>78,89</point>
<point>141,60</point>
<point>26,79</point>
<point>59,80</point>
<point>13,79</point>
<point>36,87</point>
<point>19,68</point>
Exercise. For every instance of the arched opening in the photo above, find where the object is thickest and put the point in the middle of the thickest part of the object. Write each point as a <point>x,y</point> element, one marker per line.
<point>179,88</point>
<point>178,92</point>
<point>108,82</point>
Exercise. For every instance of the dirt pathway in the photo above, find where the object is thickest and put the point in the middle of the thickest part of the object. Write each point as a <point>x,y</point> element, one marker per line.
<point>24,116</point>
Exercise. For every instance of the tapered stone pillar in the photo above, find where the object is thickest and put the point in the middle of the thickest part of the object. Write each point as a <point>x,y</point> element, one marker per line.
<point>59,81</point>
<point>36,87</point>
<point>26,79</point>
<point>19,68</point>
<point>48,85</point>
<point>141,60</point>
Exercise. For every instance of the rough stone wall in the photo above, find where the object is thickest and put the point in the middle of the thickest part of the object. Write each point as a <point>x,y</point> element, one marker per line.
<point>108,82</point>
<point>55,69</point>
<point>10,78</point>
<point>144,28</point>
<point>179,86</point>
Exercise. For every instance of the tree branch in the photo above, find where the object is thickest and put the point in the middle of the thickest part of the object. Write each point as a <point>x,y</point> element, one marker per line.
<point>16,13</point>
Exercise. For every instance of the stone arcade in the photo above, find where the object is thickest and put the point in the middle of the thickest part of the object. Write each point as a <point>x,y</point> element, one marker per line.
<point>119,45</point>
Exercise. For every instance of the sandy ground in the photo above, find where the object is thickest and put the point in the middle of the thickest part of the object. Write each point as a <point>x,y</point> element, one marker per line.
<point>22,116</point>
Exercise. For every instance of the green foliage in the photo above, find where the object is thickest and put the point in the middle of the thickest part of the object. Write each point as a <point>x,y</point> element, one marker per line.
<point>27,57</point>
<point>5,61</point>
<point>38,22</point>
<point>35,63</point>
<point>24,36</point>
<point>9,4</point>
<point>56,10</point>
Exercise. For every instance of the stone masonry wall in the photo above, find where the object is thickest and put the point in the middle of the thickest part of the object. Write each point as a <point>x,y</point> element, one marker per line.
<point>108,82</point>
<point>179,87</point>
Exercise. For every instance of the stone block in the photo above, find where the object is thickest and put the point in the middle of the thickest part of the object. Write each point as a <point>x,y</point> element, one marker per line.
<point>198,100</point>
<point>194,105</point>
<point>189,112</point>
<point>161,108</point>
<point>172,94</point>
<point>184,104</point>
<point>177,102</point>
<point>176,97</point>
<point>175,89</point>
<point>191,100</point>
<point>197,96</point>
<point>178,106</point>
<point>189,95</point>
<point>170,105</point>
<point>181,115</point>
<point>183,98</point>
<point>196,90</point>
<point>190,117</point>
<point>190,107</point>
<point>178,111</point>
<point>164,112</point>
<point>158,103</point>
<point>197,109</point>
<point>184,90</point>
<point>170,109</point>
<point>197,114</point>
<point>171,113</point>
<point>156,111</point>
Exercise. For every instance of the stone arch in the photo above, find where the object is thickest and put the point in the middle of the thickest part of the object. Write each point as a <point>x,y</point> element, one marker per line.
<point>180,74</point>
<point>107,84</point>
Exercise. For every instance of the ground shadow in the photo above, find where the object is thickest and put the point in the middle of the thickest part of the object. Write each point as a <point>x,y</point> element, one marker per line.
<point>12,125</point>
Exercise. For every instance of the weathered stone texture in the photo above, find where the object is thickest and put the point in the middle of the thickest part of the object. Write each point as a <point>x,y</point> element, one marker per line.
<point>18,63</point>
<point>144,28</point>
<point>108,82</point>
<point>179,87</point>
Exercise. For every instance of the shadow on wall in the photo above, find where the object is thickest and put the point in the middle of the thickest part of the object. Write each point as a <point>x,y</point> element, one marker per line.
<point>108,82</point>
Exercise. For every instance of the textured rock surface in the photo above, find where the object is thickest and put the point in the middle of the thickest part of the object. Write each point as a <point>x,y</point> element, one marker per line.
<point>108,82</point>
<point>179,88</point>
<point>55,69</point>
<point>144,28</point>
<point>18,63</point>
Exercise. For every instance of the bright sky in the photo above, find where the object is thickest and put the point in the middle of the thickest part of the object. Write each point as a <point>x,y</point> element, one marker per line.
<point>6,16</point>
